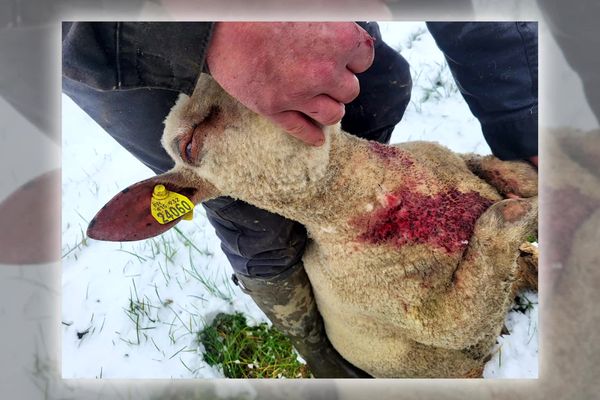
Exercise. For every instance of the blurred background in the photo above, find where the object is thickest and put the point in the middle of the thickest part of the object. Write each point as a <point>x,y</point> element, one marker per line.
<point>30,245</point>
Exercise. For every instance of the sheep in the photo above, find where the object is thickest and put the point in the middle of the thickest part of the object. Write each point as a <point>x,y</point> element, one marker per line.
<point>412,252</point>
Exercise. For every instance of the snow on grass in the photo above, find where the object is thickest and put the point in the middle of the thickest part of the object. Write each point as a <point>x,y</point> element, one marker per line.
<point>133,310</point>
<point>516,355</point>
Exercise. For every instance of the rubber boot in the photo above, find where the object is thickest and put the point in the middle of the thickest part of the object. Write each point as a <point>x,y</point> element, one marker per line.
<point>287,300</point>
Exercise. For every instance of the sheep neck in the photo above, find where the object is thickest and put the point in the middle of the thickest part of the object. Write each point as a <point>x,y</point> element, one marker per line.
<point>350,183</point>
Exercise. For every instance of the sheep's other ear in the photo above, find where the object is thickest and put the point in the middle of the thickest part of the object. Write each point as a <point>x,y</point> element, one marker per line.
<point>30,222</point>
<point>126,217</point>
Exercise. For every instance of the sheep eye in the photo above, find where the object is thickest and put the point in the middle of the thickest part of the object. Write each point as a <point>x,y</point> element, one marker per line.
<point>188,152</point>
<point>186,147</point>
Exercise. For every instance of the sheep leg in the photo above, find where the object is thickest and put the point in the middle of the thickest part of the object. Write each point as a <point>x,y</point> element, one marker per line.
<point>472,309</point>
<point>508,177</point>
<point>511,177</point>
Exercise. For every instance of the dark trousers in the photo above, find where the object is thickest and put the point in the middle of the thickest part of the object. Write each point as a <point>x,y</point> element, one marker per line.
<point>271,245</point>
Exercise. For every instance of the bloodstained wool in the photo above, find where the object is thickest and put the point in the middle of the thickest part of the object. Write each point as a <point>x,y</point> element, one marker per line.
<point>445,220</point>
<point>391,154</point>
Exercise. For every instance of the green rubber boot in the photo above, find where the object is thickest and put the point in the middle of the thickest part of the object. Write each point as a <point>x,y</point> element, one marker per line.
<point>288,301</point>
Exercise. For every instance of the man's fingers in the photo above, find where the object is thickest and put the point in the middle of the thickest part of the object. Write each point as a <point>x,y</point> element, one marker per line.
<point>346,87</point>
<point>300,127</point>
<point>323,109</point>
<point>362,56</point>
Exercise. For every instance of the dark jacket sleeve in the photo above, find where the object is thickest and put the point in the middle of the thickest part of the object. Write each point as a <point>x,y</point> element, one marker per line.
<point>496,68</point>
<point>124,55</point>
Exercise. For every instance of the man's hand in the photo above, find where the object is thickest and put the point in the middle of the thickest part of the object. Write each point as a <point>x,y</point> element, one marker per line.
<point>298,74</point>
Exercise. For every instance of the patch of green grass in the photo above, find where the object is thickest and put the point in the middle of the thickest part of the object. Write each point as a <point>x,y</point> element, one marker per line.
<point>249,351</point>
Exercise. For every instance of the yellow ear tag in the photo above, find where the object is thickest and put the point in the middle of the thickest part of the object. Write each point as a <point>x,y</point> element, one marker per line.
<point>167,206</point>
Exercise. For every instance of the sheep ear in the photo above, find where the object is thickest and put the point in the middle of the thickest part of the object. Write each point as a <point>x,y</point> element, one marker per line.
<point>30,222</point>
<point>127,217</point>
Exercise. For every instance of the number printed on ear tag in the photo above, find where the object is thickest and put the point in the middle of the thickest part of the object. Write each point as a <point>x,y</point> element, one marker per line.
<point>167,206</point>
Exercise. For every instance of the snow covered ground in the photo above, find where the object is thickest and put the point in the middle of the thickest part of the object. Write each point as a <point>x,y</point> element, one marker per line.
<point>132,310</point>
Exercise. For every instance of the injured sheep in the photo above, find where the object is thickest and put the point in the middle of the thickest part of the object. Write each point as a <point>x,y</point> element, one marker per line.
<point>413,250</point>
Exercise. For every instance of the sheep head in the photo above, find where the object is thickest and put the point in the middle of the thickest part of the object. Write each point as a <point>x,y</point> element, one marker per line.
<point>219,148</point>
